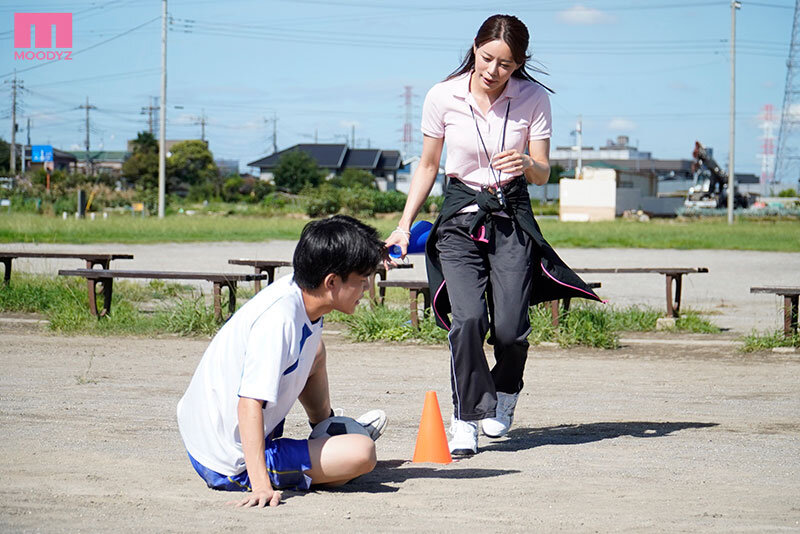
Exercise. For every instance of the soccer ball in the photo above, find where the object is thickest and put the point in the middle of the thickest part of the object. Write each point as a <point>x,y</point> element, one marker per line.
<point>337,426</point>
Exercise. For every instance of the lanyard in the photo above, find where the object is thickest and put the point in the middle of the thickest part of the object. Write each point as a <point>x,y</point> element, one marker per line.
<point>485,151</point>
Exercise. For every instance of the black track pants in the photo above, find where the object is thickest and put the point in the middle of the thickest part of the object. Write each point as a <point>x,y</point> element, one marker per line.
<point>468,265</point>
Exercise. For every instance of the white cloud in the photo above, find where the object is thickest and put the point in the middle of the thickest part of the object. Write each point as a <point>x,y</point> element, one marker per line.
<point>579,15</point>
<point>620,124</point>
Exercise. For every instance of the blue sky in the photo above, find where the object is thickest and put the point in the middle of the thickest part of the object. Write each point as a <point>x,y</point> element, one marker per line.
<point>654,70</point>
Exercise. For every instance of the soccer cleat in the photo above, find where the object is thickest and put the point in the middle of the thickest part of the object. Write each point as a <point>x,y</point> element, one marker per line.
<point>497,426</point>
<point>375,423</point>
<point>464,437</point>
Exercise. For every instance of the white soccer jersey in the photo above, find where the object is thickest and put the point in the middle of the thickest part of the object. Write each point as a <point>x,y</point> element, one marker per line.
<point>265,351</point>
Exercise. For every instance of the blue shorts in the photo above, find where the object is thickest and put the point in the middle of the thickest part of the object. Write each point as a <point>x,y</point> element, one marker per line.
<point>287,461</point>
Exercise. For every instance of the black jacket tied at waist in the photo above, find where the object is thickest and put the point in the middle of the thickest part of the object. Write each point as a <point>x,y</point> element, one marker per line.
<point>552,278</point>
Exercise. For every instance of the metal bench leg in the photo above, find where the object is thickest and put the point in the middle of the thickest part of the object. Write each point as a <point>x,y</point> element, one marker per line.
<point>554,311</point>
<point>231,285</point>
<point>674,309</point>
<point>412,293</point>
<point>90,284</point>
<point>218,301</point>
<point>790,312</point>
<point>231,297</point>
<point>257,283</point>
<point>382,290</point>
<point>108,289</point>
<point>7,272</point>
<point>371,284</point>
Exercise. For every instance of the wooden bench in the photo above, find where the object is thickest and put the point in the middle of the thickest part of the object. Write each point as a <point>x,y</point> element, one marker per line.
<point>103,260</point>
<point>262,266</point>
<point>415,289</point>
<point>790,300</point>
<point>672,274</point>
<point>269,266</point>
<point>420,287</point>
<point>106,277</point>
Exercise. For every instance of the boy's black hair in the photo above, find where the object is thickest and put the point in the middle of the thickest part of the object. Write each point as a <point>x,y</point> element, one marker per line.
<point>340,245</point>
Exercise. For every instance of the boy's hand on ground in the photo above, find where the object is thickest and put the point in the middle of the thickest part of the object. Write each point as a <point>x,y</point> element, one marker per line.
<point>259,499</point>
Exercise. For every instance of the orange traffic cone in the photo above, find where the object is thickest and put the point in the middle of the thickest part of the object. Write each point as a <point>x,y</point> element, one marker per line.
<point>431,439</point>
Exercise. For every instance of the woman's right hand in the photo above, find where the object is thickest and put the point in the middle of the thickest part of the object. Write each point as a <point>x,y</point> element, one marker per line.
<point>398,237</point>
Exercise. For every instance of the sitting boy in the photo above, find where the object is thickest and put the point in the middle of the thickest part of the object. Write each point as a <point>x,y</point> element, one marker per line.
<point>267,356</point>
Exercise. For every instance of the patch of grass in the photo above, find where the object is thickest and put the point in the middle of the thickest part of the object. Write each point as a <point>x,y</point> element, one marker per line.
<point>37,294</point>
<point>388,324</point>
<point>691,321</point>
<point>586,324</point>
<point>188,317</point>
<point>64,300</point>
<point>756,341</point>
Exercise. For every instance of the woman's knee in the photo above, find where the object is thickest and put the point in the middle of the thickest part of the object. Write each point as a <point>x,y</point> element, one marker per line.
<point>507,336</point>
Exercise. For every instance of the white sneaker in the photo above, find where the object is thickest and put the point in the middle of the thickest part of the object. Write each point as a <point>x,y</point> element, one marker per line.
<point>464,441</point>
<point>375,423</point>
<point>497,426</point>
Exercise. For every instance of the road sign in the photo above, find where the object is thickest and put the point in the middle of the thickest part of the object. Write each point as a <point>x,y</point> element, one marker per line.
<point>41,153</point>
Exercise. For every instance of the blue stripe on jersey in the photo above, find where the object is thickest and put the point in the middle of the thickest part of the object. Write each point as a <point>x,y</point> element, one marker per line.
<point>305,335</point>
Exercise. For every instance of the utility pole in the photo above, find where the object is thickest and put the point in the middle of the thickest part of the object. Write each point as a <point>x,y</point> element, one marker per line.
<point>87,107</point>
<point>15,84</point>
<point>353,135</point>
<point>148,110</point>
<point>162,130</point>
<point>735,4</point>
<point>579,130</point>
<point>28,145</point>
<point>203,126</point>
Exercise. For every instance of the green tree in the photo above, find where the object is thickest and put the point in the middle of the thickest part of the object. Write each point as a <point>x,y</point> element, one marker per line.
<point>145,142</point>
<point>5,157</point>
<point>191,163</point>
<point>141,168</point>
<point>296,170</point>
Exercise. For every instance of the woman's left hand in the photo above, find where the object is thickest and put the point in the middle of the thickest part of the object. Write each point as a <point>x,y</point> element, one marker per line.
<point>511,162</point>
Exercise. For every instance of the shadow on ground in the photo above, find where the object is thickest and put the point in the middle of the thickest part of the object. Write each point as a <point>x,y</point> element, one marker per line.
<point>388,475</point>
<point>520,439</point>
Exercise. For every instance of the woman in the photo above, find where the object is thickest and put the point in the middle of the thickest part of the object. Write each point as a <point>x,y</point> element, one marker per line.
<point>486,257</point>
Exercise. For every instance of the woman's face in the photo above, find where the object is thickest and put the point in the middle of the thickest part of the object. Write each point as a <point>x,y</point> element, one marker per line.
<point>494,65</point>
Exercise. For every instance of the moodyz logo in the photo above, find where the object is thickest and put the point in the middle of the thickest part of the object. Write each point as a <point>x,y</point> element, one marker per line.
<point>25,24</point>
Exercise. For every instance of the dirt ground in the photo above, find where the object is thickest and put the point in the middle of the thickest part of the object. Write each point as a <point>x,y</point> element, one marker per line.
<point>662,435</point>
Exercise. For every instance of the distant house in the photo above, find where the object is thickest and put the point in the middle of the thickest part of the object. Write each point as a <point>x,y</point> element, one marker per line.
<point>100,161</point>
<point>335,158</point>
<point>62,161</point>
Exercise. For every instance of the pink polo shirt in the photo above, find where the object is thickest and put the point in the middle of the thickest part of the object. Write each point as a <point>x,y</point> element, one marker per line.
<point>446,113</point>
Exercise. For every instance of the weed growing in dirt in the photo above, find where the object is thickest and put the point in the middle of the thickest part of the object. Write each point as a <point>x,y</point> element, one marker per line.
<point>691,321</point>
<point>585,324</point>
<point>755,341</point>
<point>189,316</point>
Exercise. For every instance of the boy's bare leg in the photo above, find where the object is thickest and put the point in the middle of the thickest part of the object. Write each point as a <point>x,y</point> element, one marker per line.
<point>315,396</point>
<point>338,459</point>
